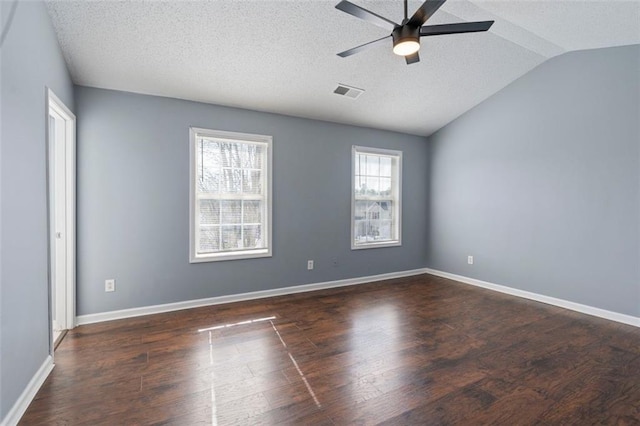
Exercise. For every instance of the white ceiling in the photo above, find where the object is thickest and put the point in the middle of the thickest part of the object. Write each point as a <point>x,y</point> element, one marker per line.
<point>280,56</point>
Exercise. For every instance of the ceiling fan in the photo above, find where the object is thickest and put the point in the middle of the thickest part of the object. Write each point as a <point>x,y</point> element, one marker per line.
<point>406,36</point>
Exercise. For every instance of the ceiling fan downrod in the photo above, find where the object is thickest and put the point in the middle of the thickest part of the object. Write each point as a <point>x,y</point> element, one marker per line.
<point>406,12</point>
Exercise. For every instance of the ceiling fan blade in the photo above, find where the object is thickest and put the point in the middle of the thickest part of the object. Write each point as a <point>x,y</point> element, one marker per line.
<point>366,15</point>
<point>425,12</point>
<point>412,59</point>
<point>362,47</point>
<point>462,27</point>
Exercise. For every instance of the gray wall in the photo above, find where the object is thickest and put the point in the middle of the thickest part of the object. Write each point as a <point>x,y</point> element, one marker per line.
<point>31,60</point>
<point>541,183</point>
<point>133,202</point>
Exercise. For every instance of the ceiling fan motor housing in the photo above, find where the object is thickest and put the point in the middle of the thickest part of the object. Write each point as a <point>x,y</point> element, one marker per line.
<point>405,33</point>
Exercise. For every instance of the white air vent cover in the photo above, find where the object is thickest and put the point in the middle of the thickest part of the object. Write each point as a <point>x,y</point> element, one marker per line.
<point>348,91</point>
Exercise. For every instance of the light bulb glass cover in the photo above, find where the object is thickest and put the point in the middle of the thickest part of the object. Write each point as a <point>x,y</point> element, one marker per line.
<point>406,47</point>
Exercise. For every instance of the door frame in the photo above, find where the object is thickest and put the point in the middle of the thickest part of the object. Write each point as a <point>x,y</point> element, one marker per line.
<point>54,103</point>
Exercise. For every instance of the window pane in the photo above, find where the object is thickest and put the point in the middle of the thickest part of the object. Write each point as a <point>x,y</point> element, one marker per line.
<point>385,186</point>
<point>232,181</point>
<point>251,182</point>
<point>374,230</point>
<point>385,166</point>
<point>231,237</point>
<point>373,165</point>
<point>386,210</point>
<point>209,239</point>
<point>360,231</point>
<point>252,237</point>
<point>360,210</point>
<point>230,155</point>
<point>385,230</point>
<point>252,156</point>
<point>372,185</point>
<point>231,212</point>
<point>209,212</point>
<point>252,212</point>
<point>208,166</point>
<point>373,210</point>
<point>360,185</point>
<point>210,152</point>
<point>209,181</point>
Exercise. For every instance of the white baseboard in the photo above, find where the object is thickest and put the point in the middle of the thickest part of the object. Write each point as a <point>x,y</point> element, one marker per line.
<point>169,307</point>
<point>17,411</point>
<point>585,309</point>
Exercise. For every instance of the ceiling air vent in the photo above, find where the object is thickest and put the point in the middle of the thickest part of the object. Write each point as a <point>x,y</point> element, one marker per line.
<point>348,91</point>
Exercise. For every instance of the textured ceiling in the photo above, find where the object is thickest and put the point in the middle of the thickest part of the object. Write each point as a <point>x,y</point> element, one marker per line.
<point>280,56</point>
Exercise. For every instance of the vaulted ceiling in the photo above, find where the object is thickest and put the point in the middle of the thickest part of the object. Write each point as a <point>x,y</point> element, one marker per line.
<point>280,56</point>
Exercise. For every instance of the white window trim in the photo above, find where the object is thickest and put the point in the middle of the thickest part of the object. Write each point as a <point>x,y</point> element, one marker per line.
<point>194,257</point>
<point>398,224</point>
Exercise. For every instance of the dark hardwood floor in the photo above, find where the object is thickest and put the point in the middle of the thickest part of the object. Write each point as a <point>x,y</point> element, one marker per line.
<point>419,350</point>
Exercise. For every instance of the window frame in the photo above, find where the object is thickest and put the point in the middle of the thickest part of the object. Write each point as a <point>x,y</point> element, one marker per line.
<point>194,134</point>
<point>396,190</point>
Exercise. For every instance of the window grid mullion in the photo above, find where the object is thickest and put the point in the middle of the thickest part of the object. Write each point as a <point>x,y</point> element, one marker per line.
<point>220,228</point>
<point>242,224</point>
<point>376,208</point>
<point>235,164</point>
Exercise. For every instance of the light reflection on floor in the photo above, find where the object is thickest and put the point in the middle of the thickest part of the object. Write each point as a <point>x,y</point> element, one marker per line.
<point>218,327</point>
<point>214,414</point>
<point>374,339</point>
<point>295,364</point>
<point>210,330</point>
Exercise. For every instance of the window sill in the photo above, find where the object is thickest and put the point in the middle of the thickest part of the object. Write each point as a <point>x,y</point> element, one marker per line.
<point>235,255</point>
<point>375,245</point>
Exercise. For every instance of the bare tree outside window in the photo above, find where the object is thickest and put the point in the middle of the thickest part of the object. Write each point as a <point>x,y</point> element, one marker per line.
<point>231,202</point>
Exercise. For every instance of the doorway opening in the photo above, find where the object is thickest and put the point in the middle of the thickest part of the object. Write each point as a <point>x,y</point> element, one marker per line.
<point>61,178</point>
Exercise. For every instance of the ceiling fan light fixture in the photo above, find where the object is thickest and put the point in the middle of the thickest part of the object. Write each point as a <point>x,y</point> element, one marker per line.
<point>407,47</point>
<point>406,40</point>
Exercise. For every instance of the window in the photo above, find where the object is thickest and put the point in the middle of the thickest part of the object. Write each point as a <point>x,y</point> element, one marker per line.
<point>230,194</point>
<point>376,198</point>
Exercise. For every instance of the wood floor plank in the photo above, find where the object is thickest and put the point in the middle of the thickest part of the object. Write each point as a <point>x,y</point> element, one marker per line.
<point>417,350</point>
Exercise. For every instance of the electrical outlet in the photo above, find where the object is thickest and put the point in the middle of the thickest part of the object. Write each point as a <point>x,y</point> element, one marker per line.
<point>470,260</point>
<point>110,285</point>
<point>309,265</point>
